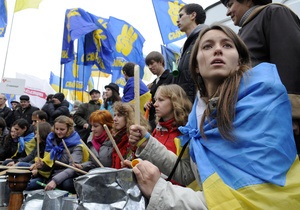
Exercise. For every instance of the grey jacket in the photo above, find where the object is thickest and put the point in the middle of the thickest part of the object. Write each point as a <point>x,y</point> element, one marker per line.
<point>165,195</point>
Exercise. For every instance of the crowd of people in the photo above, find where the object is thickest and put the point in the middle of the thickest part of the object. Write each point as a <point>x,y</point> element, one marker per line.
<point>222,134</point>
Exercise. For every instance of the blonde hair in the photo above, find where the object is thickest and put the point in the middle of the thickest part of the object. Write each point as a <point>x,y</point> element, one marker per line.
<point>127,110</point>
<point>65,120</point>
<point>181,106</point>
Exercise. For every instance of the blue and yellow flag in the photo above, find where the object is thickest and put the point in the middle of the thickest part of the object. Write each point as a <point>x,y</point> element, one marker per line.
<point>97,50</point>
<point>54,81</point>
<point>259,169</point>
<point>128,44</point>
<point>171,54</point>
<point>76,76</point>
<point>77,23</point>
<point>3,17</point>
<point>166,12</point>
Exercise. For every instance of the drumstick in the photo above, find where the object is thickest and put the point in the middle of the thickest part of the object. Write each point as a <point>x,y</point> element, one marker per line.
<point>137,94</point>
<point>68,166</point>
<point>113,142</point>
<point>37,140</point>
<point>69,154</point>
<point>92,154</point>
<point>3,172</point>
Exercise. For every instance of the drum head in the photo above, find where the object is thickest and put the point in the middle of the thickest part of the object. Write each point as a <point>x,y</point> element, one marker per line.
<point>17,171</point>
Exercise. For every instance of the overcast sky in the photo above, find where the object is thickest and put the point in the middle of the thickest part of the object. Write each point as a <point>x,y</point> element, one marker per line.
<point>36,35</point>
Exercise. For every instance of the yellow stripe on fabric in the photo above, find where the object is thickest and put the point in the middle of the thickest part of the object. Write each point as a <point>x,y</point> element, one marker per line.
<point>218,195</point>
<point>85,153</point>
<point>48,162</point>
<point>143,99</point>
<point>260,196</point>
<point>29,146</point>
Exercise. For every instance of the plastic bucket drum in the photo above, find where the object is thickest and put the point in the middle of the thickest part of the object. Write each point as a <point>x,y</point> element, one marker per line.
<point>4,191</point>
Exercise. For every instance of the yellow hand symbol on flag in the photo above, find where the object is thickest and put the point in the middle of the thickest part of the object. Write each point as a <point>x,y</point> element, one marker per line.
<point>125,40</point>
<point>174,10</point>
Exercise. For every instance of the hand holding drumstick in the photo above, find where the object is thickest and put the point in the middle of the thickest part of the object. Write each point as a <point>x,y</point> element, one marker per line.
<point>113,143</point>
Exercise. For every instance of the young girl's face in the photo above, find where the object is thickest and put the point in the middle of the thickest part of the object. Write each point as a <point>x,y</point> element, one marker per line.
<point>60,129</point>
<point>19,131</point>
<point>163,107</point>
<point>97,129</point>
<point>13,132</point>
<point>119,121</point>
<point>109,92</point>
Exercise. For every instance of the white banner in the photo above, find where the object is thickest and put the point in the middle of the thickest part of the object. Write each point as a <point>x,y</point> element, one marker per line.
<point>37,89</point>
<point>12,86</point>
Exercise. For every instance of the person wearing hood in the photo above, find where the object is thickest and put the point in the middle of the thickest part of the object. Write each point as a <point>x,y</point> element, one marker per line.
<point>190,20</point>
<point>56,107</point>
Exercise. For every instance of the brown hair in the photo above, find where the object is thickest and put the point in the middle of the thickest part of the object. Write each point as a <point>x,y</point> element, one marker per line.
<point>127,110</point>
<point>228,90</point>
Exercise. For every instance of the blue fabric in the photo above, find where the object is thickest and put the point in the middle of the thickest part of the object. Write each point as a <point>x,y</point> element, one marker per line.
<point>56,151</point>
<point>166,12</point>
<point>22,141</point>
<point>264,148</point>
<point>3,17</point>
<point>128,92</point>
<point>109,107</point>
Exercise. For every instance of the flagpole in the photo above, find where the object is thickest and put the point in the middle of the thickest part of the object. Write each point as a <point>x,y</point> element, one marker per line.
<point>99,73</point>
<point>60,77</point>
<point>11,26</point>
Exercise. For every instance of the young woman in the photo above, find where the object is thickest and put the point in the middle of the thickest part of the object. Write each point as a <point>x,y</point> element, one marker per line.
<point>10,146</point>
<point>58,176</point>
<point>112,95</point>
<point>240,136</point>
<point>26,141</point>
<point>98,141</point>
<point>123,119</point>
<point>172,110</point>
<point>44,130</point>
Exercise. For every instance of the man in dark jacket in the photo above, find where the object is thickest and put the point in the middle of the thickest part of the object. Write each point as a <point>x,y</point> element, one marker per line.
<point>81,116</point>
<point>5,111</point>
<point>156,63</point>
<point>26,109</point>
<point>56,107</point>
<point>190,20</point>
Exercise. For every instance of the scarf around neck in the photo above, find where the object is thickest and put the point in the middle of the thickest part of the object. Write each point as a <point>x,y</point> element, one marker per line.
<point>97,141</point>
<point>56,150</point>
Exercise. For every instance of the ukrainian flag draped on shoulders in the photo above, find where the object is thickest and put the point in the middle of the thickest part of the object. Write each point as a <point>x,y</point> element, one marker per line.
<point>26,143</point>
<point>53,152</point>
<point>260,168</point>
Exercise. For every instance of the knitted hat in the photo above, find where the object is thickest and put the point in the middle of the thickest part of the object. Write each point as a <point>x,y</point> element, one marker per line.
<point>59,96</point>
<point>113,86</point>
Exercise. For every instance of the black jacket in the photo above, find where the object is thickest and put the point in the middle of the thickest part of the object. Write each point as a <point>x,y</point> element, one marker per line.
<point>184,78</point>
<point>53,111</point>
